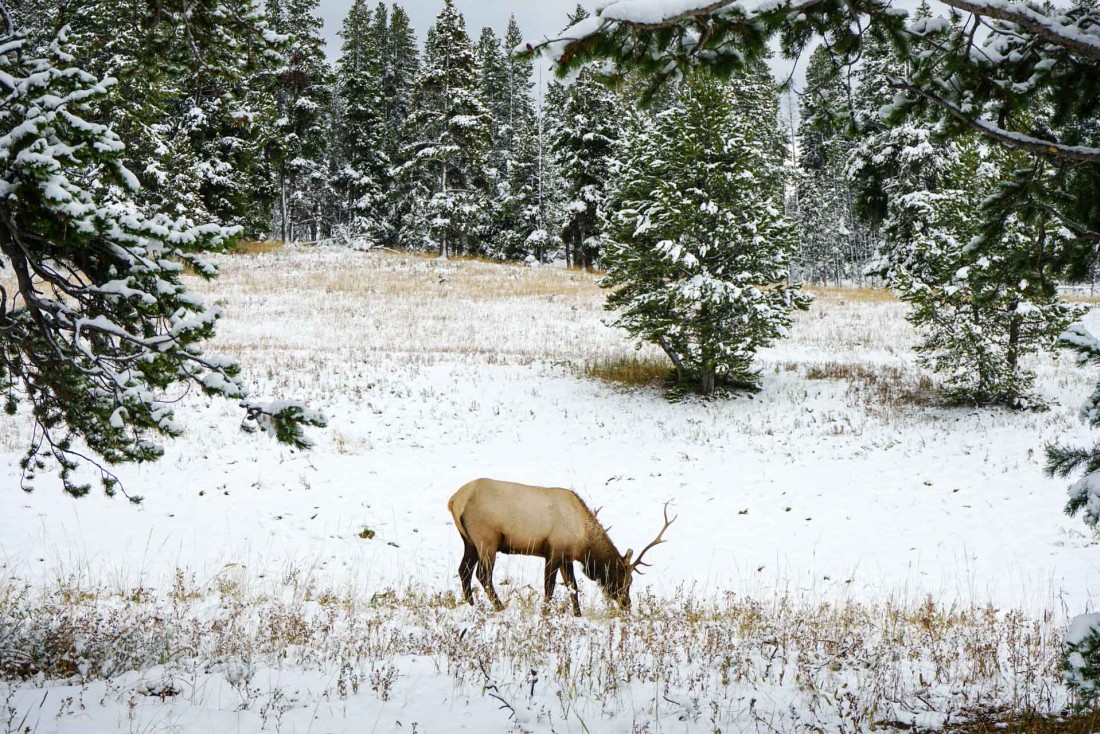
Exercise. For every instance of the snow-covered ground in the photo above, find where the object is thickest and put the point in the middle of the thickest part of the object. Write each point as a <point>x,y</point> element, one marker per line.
<point>432,374</point>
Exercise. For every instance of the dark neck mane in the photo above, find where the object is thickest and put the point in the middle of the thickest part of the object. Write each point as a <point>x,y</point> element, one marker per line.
<point>603,560</point>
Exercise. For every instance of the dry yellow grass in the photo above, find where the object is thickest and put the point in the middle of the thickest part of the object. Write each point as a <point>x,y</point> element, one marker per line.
<point>257,247</point>
<point>394,274</point>
<point>862,293</point>
<point>1081,298</point>
<point>877,386</point>
<point>629,370</point>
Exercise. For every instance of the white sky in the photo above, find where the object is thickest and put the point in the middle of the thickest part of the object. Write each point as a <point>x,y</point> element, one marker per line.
<point>535,17</point>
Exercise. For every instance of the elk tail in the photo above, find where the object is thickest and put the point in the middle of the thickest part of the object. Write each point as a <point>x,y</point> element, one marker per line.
<point>462,528</point>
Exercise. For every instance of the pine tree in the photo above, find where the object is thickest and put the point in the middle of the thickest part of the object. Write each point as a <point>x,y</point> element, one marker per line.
<point>584,131</point>
<point>185,102</point>
<point>363,163</point>
<point>528,209</point>
<point>304,108</point>
<point>520,226</point>
<point>492,82</point>
<point>697,246</point>
<point>832,241</point>
<point>982,301</point>
<point>520,107</point>
<point>450,136</point>
<point>982,294</point>
<point>99,325</point>
<point>401,63</point>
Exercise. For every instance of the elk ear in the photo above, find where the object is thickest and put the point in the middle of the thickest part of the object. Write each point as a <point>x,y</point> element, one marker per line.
<point>627,555</point>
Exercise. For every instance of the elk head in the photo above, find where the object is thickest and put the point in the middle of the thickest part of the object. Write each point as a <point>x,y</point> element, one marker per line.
<point>619,589</point>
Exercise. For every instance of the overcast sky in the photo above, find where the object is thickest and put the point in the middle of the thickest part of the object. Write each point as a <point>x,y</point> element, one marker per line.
<point>535,17</point>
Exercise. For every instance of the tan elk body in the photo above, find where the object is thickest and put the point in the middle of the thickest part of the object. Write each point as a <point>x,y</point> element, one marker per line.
<point>504,517</point>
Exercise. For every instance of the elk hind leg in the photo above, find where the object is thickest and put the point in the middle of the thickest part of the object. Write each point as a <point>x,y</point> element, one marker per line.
<point>485,576</point>
<point>466,572</point>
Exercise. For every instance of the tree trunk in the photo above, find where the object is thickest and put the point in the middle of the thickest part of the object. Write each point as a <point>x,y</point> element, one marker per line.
<point>1012,354</point>
<point>674,358</point>
<point>443,189</point>
<point>282,206</point>
<point>707,380</point>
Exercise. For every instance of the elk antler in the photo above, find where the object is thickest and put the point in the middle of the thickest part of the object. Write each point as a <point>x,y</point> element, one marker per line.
<point>656,541</point>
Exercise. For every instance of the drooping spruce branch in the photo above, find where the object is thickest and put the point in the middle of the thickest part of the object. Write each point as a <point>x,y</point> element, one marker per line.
<point>99,334</point>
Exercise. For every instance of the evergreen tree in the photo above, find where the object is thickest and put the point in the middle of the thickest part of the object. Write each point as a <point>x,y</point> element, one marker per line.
<point>520,226</point>
<point>584,131</point>
<point>492,72</point>
<point>185,103</point>
<point>450,136</point>
<point>363,163</point>
<point>697,246</point>
<point>982,301</point>
<point>304,107</point>
<point>528,208</point>
<point>982,292</point>
<point>493,91</point>
<point>99,324</point>
<point>833,243</point>
<point>520,102</point>
<point>400,68</point>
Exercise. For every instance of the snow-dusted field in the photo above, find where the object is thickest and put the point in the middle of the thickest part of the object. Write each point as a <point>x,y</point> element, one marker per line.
<point>854,492</point>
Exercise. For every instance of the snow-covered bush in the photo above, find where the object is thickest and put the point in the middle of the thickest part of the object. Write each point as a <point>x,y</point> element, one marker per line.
<point>1081,665</point>
<point>1084,494</point>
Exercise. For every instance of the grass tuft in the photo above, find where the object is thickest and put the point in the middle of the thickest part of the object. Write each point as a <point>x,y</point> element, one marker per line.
<point>877,386</point>
<point>630,370</point>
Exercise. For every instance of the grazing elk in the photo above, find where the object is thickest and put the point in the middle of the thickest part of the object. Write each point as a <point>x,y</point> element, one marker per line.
<point>503,517</point>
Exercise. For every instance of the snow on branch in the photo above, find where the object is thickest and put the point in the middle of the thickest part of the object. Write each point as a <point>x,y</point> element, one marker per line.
<point>101,336</point>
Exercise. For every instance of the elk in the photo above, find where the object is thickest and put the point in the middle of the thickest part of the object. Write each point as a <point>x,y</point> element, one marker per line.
<point>504,517</point>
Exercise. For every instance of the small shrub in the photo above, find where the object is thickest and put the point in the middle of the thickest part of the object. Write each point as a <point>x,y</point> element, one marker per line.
<point>366,533</point>
<point>1081,664</point>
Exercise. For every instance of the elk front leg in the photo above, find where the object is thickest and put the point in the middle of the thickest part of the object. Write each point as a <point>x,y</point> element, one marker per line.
<point>485,576</point>
<point>570,580</point>
<point>466,572</point>
<point>549,579</point>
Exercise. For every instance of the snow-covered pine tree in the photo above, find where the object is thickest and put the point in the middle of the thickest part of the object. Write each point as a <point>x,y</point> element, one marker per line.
<point>363,166</point>
<point>530,217</point>
<point>696,250</point>
<point>304,99</point>
<point>521,224</point>
<point>492,83</point>
<point>401,64</point>
<point>521,105</point>
<point>98,324</point>
<point>584,130</point>
<point>833,244</point>
<point>185,104</point>
<point>982,301</point>
<point>982,295</point>
<point>449,136</point>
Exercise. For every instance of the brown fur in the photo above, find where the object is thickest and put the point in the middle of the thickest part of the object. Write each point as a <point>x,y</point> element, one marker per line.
<point>553,523</point>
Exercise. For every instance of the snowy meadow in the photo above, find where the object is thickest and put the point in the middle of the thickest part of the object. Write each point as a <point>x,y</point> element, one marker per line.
<point>849,553</point>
